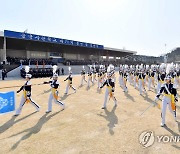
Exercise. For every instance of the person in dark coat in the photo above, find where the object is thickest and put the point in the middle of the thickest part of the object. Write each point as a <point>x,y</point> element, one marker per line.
<point>3,74</point>
<point>5,71</point>
<point>62,71</point>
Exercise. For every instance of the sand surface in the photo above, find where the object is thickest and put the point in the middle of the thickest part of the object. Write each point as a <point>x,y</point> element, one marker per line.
<point>83,127</point>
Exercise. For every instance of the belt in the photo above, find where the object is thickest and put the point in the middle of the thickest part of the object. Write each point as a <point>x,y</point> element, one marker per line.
<point>25,96</point>
<point>167,95</point>
<point>109,87</point>
<point>161,81</point>
<point>110,90</point>
<point>54,93</point>
<point>173,105</point>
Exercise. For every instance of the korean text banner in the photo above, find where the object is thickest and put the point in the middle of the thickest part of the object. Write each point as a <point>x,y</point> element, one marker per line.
<point>7,102</point>
<point>33,37</point>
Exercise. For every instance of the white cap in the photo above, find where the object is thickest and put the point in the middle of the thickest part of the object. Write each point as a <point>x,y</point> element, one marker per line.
<point>108,74</point>
<point>28,76</point>
<point>168,77</point>
<point>55,75</point>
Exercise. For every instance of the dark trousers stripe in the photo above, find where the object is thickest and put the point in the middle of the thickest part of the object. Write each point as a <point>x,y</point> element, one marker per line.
<point>34,103</point>
<point>60,102</point>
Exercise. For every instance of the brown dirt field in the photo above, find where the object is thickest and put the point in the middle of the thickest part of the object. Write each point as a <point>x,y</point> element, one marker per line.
<point>83,127</point>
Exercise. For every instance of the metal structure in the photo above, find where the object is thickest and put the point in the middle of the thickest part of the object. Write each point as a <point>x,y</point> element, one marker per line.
<point>26,45</point>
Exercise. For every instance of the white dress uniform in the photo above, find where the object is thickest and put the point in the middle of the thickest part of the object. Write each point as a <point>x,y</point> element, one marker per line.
<point>69,84</point>
<point>150,79</point>
<point>54,95</point>
<point>176,79</point>
<point>169,100</point>
<point>83,73</point>
<point>26,98</point>
<point>121,78</point>
<point>160,78</point>
<point>94,76</point>
<point>141,77</point>
<point>125,76</point>
<point>130,77</point>
<point>109,90</point>
<point>135,79</point>
<point>89,79</point>
<point>99,79</point>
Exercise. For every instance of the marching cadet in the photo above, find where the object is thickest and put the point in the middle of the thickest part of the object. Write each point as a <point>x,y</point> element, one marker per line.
<point>130,79</point>
<point>125,75</point>
<point>150,79</point>
<point>153,75</point>
<point>176,76</point>
<point>83,73</point>
<point>113,76</point>
<point>26,97</point>
<point>89,78</point>
<point>99,79</point>
<point>160,77</point>
<point>112,72</point>
<point>69,83</point>
<point>136,73</point>
<point>172,74</point>
<point>169,98</point>
<point>94,75</point>
<point>161,74</point>
<point>147,75</point>
<point>103,74</point>
<point>120,76</point>
<point>54,95</point>
<point>141,77</point>
<point>109,90</point>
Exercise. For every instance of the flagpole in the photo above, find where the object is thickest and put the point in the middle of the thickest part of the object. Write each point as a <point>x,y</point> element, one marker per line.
<point>29,62</point>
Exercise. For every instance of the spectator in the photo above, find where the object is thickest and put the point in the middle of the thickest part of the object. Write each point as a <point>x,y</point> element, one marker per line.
<point>58,71</point>
<point>62,71</point>
<point>5,71</point>
<point>3,74</point>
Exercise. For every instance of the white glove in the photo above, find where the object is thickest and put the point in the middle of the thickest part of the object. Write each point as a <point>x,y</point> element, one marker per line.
<point>156,99</point>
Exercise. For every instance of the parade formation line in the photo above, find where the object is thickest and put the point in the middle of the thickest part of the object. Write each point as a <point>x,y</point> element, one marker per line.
<point>113,129</point>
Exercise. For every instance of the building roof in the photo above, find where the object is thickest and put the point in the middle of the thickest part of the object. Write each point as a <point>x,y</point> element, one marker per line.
<point>47,39</point>
<point>120,50</point>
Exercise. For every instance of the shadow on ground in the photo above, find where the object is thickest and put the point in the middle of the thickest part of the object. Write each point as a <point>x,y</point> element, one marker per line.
<point>129,96</point>
<point>33,130</point>
<point>12,121</point>
<point>111,118</point>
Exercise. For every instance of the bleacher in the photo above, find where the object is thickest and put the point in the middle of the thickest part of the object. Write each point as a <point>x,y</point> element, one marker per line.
<point>89,62</point>
<point>66,62</point>
<point>18,61</point>
<point>38,72</point>
<point>77,62</point>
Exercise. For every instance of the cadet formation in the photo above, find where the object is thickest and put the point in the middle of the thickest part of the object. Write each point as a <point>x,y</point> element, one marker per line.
<point>163,79</point>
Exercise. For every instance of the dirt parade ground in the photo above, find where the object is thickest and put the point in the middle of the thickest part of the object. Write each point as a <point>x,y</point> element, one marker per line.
<point>83,127</point>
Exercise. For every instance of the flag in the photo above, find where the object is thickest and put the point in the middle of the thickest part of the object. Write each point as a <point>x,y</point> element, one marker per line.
<point>29,63</point>
<point>7,102</point>
<point>26,31</point>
